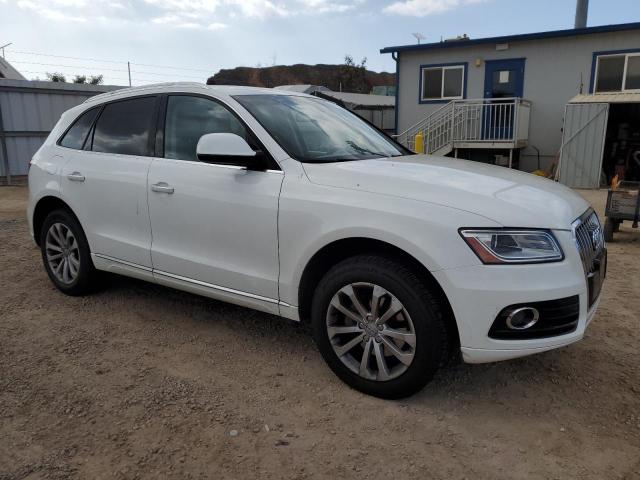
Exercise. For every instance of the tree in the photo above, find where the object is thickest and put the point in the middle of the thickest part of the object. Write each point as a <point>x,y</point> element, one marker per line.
<point>353,76</point>
<point>92,80</point>
<point>56,77</point>
<point>96,79</point>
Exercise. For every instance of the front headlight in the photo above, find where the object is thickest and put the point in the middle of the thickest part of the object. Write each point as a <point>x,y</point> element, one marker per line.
<point>502,246</point>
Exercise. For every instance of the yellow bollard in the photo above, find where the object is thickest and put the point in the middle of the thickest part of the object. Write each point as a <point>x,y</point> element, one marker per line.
<point>418,143</point>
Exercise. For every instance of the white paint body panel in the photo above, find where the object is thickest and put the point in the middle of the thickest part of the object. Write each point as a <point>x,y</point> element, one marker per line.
<point>218,227</point>
<point>246,237</point>
<point>111,203</point>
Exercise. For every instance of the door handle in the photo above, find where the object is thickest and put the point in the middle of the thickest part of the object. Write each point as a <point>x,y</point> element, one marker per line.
<point>162,187</point>
<point>76,177</point>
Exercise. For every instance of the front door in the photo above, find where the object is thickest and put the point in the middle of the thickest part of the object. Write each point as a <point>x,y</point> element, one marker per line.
<point>503,79</point>
<point>214,226</point>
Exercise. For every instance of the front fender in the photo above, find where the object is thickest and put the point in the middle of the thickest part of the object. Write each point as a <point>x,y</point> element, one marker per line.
<point>312,216</point>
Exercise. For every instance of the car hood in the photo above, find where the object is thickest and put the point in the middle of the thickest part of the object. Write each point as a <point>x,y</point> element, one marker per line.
<point>508,197</point>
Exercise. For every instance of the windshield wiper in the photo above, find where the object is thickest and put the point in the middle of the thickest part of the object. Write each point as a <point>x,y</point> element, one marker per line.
<point>364,151</point>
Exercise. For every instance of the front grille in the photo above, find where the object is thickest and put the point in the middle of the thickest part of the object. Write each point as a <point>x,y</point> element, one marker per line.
<point>589,238</point>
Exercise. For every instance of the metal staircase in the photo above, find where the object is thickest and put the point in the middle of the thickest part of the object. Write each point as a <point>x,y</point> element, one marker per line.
<point>500,123</point>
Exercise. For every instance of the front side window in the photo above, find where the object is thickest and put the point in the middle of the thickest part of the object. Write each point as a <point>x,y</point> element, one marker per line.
<point>617,73</point>
<point>314,130</point>
<point>442,83</point>
<point>77,134</point>
<point>124,127</point>
<point>189,118</point>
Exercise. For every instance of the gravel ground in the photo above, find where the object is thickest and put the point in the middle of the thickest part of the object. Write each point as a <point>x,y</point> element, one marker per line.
<point>140,381</point>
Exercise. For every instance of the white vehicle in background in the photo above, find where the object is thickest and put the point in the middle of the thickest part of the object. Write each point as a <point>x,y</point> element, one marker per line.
<point>291,205</point>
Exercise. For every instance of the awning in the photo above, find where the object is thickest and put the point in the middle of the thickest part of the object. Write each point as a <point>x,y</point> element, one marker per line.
<point>616,97</point>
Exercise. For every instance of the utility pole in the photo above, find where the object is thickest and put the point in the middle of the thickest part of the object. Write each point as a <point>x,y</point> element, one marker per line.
<point>129,70</point>
<point>582,11</point>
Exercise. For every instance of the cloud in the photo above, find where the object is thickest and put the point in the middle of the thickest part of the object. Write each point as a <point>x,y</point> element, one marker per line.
<point>217,26</point>
<point>43,9</point>
<point>213,15</point>
<point>260,8</point>
<point>422,8</point>
<point>323,6</point>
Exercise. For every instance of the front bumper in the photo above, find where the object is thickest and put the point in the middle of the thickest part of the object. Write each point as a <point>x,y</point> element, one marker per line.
<point>478,293</point>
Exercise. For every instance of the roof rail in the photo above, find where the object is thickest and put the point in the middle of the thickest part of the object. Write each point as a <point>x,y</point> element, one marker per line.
<point>142,88</point>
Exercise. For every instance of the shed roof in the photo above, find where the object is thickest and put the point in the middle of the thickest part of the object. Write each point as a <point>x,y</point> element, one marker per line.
<point>571,32</point>
<point>8,71</point>
<point>360,100</point>
<point>614,97</point>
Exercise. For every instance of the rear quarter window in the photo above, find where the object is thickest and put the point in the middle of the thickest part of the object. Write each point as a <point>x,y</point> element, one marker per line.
<point>77,134</point>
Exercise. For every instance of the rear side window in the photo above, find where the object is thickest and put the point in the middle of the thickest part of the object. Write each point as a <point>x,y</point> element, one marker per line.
<point>188,118</point>
<point>124,127</point>
<point>77,134</point>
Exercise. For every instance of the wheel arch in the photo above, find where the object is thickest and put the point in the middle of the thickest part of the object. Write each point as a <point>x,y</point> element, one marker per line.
<point>46,205</point>
<point>338,250</point>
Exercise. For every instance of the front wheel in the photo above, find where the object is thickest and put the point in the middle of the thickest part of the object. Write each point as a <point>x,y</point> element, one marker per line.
<point>378,326</point>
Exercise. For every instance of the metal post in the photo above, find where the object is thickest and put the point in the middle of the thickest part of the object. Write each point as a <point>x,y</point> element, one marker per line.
<point>129,70</point>
<point>510,157</point>
<point>3,145</point>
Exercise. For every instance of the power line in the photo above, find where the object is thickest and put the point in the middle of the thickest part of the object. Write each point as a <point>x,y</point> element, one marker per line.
<point>172,67</point>
<point>70,66</point>
<point>100,68</point>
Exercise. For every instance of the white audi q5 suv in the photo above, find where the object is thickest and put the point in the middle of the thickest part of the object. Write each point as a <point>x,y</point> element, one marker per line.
<point>292,205</point>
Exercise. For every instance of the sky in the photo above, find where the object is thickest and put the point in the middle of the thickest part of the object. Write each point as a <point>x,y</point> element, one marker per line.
<point>171,40</point>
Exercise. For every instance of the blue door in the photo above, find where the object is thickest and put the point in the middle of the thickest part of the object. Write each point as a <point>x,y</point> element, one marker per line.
<point>502,79</point>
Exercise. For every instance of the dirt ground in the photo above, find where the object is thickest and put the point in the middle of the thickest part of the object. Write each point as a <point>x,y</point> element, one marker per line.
<point>140,381</point>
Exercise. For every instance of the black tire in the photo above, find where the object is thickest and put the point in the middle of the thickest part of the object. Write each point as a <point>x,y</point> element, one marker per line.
<point>86,278</point>
<point>420,303</point>
<point>608,230</point>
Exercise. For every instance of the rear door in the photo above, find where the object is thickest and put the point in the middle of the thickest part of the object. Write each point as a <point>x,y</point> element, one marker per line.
<point>105,182</point>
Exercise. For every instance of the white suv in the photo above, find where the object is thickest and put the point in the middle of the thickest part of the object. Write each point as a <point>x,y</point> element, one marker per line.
<point>289,204</point>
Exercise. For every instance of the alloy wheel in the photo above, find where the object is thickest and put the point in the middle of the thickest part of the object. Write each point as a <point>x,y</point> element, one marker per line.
<point>62,253</point>
<point>370,331</point>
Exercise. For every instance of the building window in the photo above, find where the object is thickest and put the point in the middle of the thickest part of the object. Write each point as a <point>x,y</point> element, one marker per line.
<point>617,73</point>
<point>442,82</point>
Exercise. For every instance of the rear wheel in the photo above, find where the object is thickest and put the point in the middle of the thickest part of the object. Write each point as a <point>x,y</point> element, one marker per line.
<point>65,254</point>
<point>378,326</point>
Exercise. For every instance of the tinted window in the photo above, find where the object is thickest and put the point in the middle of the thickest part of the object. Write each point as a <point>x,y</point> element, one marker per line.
<point>610,73</point>
<point>76,135</point>
<point>432,83</point>
<point>124,127</point>
<point>442,82</point>
<point>633,73</point>
<point>188,118</point>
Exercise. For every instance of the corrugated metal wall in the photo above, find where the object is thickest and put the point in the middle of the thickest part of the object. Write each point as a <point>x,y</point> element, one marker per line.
<point>583,140</point>
<point>28,112</point>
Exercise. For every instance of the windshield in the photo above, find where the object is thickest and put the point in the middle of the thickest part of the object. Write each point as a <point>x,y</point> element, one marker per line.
<point>314,130</point>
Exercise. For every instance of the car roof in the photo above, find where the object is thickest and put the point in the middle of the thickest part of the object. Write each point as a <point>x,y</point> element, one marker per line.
<point>188,87</point>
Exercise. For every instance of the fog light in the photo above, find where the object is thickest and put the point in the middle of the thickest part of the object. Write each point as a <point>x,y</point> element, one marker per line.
<point>522,318</point>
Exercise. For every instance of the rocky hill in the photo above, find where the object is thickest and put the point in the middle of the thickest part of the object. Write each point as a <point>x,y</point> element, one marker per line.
<point>353,78</point>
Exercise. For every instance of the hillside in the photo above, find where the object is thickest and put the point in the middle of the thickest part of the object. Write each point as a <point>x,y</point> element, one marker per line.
<point>353,78</point>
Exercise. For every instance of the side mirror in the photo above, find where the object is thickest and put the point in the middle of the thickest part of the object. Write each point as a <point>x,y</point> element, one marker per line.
<point>228,149</point>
